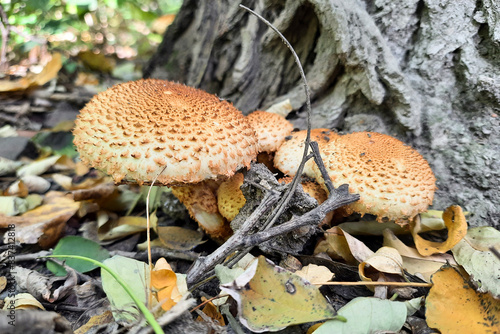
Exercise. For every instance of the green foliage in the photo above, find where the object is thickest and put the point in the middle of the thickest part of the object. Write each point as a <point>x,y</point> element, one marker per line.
<point>72,25</point>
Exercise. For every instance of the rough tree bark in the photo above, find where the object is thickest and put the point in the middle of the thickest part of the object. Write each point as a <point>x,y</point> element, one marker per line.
<point>427,72</point>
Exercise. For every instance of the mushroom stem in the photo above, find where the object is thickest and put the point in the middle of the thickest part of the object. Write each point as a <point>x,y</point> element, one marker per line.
<point>201,202</point>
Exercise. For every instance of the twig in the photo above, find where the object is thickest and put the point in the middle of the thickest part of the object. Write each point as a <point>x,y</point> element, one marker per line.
<point>400,284</point>
<point>293,186</point>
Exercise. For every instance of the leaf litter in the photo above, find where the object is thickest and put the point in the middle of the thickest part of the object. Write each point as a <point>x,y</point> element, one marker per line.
<point>49,200</point>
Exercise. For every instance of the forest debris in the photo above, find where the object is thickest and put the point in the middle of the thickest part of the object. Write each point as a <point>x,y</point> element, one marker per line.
<point>270,298</point>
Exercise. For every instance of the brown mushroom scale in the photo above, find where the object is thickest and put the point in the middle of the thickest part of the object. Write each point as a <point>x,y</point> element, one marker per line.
<point>132,130</point>
<point>393,179</point>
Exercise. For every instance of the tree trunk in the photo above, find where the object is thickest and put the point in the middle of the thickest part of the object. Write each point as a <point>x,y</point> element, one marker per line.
<point>427,72</point>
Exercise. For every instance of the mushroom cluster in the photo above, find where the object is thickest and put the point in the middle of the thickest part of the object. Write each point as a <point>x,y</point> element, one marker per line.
<point>195,142</point>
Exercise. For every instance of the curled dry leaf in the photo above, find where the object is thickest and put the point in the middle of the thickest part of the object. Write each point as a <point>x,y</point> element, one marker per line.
<point>413,262</point>
<point>170,287</point>
<point>315,274</point>
<point>456,223</point>
<point>335,245</point>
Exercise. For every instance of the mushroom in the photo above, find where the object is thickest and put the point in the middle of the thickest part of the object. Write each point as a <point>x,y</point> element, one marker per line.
<point>289,155</point>
<point>230,198</point>
<point>271,130</point>
<point>133,130</point>
<point>394,181</point>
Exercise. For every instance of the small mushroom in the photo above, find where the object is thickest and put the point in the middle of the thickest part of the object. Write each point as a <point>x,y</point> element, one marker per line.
<point>393,180</point>
<point>132,130</point>
<point>230,198</point>
<point>271,130</point>
<point>289,155</point>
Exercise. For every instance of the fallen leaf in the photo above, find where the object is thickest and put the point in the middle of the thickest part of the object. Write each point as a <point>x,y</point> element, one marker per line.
<point>74,245</point>
<point>179,238</point>
<point>8,166</point>
<point>136,275</point>
<point>22,301</point>
<point>12,205</point>
<point>169,287</point>
<point>454,220</point>
<point>270,298</point>
<point>18,189</point>
<point>473,253</point>
<point>3,283</point>
<point>97,61</point>
<point>413,262</point>
<point>48,73</point>
<point>212,311</point>
<point>315,274</point>
<point>367,315</point>
<point>386,260</point>
<point>335,245</point>
<point>453,306</point>
<point>96,320</point>
<point>124,226</point>
<point>45,224</point>
<point>37,167</point>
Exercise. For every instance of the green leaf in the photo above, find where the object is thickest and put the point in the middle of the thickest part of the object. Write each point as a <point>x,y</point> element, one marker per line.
<point>136,275</point>
<point>366,315</point>
<point>473,253</point>
<point>73,245</point>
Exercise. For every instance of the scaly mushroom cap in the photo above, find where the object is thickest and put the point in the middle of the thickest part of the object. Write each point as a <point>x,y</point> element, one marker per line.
<point>230,198</point>
<point>289,155</point>
<point>270,129</point>
<point>132,130</point>
<point>393,179</point>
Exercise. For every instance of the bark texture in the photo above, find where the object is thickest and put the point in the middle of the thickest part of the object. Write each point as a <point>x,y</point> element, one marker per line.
<point>427,72</point>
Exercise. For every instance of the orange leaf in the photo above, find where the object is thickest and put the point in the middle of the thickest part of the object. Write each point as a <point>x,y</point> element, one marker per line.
<point>211,310</point>
<point>163,278</point>
<point>452,306</point>
<point>454,220</point>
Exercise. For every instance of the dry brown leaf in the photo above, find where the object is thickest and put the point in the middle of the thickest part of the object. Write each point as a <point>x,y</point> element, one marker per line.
<point>211,310</point>
<point>179,238</point>
<point>96,320</point>
<point>123,226</point>
<point>48,73</point>
<point>336,246</point>
<point>3,283</point>
<point>453,306</point>
<point>456,223</point>
<point>45,224</point>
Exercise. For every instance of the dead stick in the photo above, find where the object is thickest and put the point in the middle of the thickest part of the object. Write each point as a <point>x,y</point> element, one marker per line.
<point>404,284</point>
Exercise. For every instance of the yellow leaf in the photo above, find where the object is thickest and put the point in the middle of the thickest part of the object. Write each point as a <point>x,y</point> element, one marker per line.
<point>454,220</point>
<point>23,301</point>
<point>315,274</point>
<point>453,306</point>
<point>386,260</point>
<point>270,298</point>
<point>163,278</point>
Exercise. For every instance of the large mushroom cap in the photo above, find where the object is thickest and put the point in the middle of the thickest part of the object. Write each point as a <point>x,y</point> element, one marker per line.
<point>132,130</point>
<point>270,129</point>
<point>289,155</point>
<point>393,179</point>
